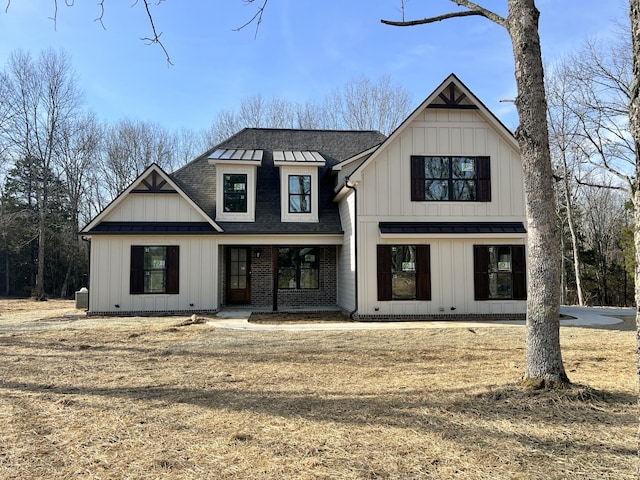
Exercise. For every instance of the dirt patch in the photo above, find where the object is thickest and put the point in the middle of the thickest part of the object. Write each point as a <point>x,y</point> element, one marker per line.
<point>287,318</point>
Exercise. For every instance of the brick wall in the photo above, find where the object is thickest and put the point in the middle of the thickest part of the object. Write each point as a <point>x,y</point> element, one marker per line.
<point>262,281</point>
<point>323,296</point>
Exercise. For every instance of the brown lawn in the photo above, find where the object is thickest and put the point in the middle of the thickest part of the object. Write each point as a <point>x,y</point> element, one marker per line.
<point>144,398</point>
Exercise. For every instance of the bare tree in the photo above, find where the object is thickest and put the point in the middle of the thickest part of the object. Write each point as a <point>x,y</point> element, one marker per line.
<point>361,105</point>
<point>364,105</point>
<point>78,148</point>
<point>634,124</point>
<point>567,155</point>
<point>43,99</point>
<point>544,360</point>
<point>130,147</point>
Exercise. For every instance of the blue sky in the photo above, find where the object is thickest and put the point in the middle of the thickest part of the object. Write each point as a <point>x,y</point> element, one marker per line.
<point>304,50</point>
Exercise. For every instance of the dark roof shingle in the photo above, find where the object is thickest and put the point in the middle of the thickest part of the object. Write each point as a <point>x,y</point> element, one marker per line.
<point>198,178</point>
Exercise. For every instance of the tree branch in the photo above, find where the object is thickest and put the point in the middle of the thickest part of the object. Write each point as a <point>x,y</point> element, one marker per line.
<point>257,17</point>
<point>474,10</point>
<point>156,36</point>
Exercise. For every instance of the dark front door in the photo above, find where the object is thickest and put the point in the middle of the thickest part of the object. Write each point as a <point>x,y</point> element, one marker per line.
<point>238,276</point>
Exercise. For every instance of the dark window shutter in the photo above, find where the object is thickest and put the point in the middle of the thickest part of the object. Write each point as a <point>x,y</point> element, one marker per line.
<point>384,272</point>
<point>519,272</point>
<point>423,272</point>
<point>417,179</point>
<point>136,279</point>
<point>481,272</point>
<point>173,269</point>
<point>484,179</point>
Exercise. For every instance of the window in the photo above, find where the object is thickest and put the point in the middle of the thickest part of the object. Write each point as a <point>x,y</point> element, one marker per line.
<point>298,267</point>
<point>154,269</point>
<point>404,272</point>
<point>499,272</point>
<point>299,193</point>
<point>460,179</point>
<point>235,192</point>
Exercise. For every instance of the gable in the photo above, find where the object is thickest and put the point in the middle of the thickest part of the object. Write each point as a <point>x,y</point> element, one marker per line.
<point>451,99</point>
<point>153,199</point>
<point>451,158</point>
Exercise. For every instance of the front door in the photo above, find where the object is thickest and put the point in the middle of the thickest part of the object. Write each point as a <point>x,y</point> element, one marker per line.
<point>238,276</point>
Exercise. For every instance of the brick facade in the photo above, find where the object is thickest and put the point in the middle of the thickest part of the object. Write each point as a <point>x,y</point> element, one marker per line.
<point>262,281</point>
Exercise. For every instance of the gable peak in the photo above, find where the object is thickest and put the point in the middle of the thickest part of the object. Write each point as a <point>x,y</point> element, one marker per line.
<point>452,96</point>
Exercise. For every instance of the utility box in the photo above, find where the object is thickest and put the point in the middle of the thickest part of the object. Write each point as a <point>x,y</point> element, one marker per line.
<point>82,299</point>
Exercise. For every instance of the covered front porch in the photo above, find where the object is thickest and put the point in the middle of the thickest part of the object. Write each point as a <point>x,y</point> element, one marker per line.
<point>283,278</point>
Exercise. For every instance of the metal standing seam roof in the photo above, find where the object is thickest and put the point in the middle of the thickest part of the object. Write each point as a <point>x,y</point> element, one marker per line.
<point>298,156</point>
<point>153,227</point>
<point>237,154</point>
<point>452,227</point>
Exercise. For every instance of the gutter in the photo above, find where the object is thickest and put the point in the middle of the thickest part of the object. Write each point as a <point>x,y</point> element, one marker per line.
<point>351,186</point>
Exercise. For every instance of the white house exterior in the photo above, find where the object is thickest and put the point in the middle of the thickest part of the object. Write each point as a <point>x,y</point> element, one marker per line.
<point>427,223</point>
<point>450,123</point>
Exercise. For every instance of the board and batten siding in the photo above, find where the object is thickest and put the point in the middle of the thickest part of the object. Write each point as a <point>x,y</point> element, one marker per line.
<point>347,255</point>
<point>452,287</point>
<point>111,256</point>
<point>157,207</point>
<point>386,182</point>
<point>384,195</point>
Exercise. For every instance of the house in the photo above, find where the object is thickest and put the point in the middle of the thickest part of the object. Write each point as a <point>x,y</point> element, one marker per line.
<point>426,223</point>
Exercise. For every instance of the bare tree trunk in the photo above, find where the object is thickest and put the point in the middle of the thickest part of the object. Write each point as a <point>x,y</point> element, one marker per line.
<point>574,236</point>
<point>40,293</point>
<point>634,123</point>
<point>544,360</point>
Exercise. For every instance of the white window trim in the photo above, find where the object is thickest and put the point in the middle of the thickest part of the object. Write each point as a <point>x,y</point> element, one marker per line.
<point>285,172</point>
<point>250,171</point>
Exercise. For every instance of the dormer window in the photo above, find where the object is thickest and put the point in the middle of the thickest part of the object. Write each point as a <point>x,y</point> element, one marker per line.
<point>235,192</point>
<point>299,193</point>
<point>236,179</point>
<point>298,184</point>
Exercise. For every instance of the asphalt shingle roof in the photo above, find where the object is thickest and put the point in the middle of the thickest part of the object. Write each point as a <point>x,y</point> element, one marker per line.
<point>198,178</point>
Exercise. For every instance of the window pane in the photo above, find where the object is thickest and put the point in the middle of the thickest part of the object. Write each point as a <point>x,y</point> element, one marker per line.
<point>300,184</point>
<point>154,257</point>
<point>500,272</point>
<point>308,278</point>
<point>154,281</point>
<point>499,259</point>
<point>448,179</point>
<point>235,192</point>
<point>436,190</point>
<point>298,267</point>
<point>403,270</point>
<point>463,190</point>
<point>287,277</point>
<point>462,167</point>
<point>299,193</point>
<point>436,167</point>
<point>500,286</point>
<point>299,203</point>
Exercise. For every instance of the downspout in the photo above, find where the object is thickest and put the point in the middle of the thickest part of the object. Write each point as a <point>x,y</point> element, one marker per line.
<point>352,186</point>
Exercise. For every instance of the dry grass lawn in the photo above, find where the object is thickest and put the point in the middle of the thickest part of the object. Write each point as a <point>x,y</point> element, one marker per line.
<point>147,399</point>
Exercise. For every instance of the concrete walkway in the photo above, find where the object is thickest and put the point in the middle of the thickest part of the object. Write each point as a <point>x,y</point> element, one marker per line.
<point>584,317</point>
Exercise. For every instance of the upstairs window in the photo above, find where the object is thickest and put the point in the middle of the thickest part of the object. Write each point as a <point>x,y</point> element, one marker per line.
<point>450,179</point>
<point>154,269</point>
<point>235,192</point>
<point>299,193</point>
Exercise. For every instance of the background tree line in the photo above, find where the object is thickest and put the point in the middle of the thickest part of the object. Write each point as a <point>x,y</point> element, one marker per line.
<point>60,164</point>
